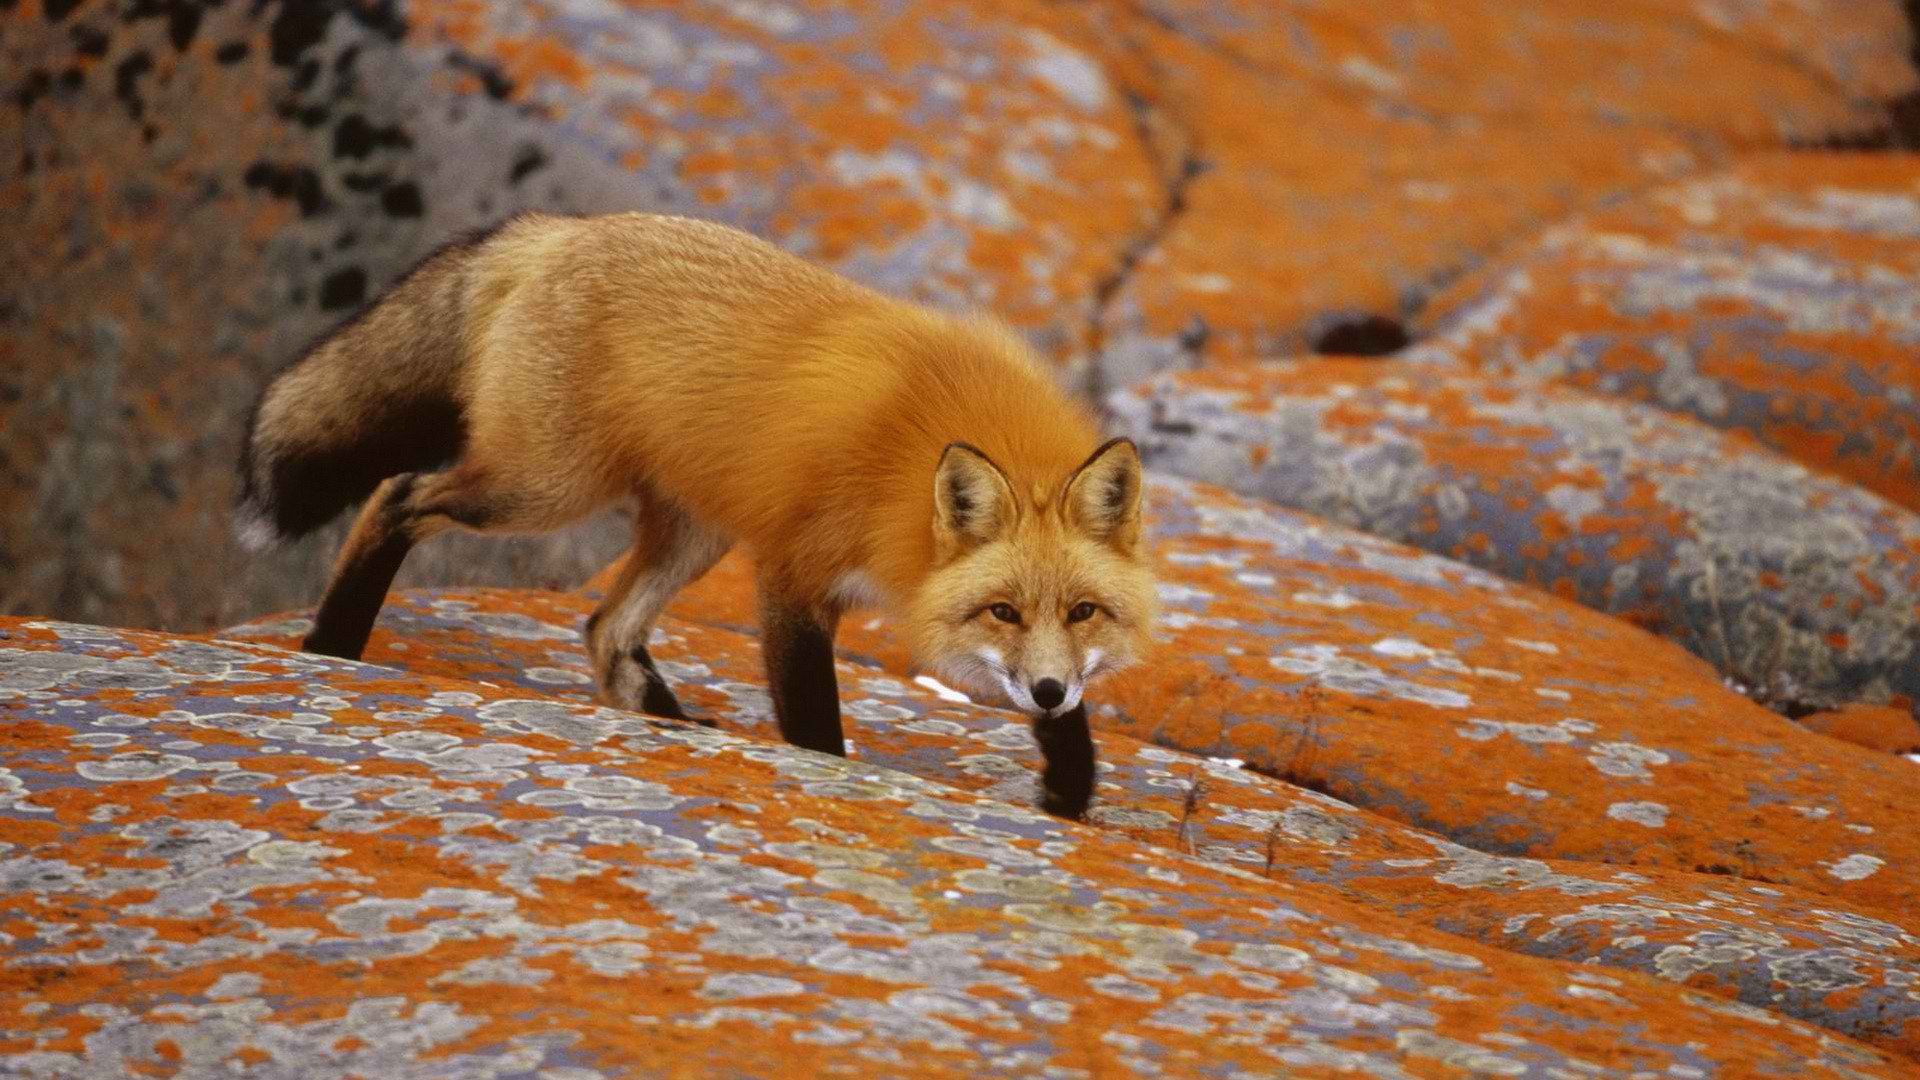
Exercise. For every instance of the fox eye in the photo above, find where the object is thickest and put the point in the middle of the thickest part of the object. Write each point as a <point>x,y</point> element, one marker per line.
<point>1081,612</point>
<point>1005,613</point>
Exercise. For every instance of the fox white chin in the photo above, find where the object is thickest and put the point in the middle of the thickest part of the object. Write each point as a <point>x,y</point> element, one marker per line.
<point>985,678</point>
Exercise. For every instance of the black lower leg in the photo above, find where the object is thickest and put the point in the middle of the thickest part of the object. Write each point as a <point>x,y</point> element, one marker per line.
<point>345,619</point>
<point>1066,745</point>
<point>657,699</point>
<point>806,692</point>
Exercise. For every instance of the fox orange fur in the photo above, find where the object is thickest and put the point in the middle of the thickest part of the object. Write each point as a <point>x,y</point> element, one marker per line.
<point>864,450</point>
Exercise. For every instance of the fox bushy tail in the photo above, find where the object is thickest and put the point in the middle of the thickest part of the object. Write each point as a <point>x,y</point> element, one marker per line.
<point>377,397</point>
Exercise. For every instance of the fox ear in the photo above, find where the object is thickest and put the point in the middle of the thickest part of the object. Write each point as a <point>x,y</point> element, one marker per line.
<point>972,500</point>
<point>1103,495</point>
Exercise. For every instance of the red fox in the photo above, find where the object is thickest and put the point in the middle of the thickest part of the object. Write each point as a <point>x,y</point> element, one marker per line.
<point>864,450</point>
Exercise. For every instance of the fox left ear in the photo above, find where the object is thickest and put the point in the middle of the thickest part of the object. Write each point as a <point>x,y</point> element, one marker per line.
<point>1103,495</point>
<point>972,501</point>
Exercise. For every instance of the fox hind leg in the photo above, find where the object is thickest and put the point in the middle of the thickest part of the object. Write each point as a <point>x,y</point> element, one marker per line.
<point>669,551</point>
<point>402,512</point>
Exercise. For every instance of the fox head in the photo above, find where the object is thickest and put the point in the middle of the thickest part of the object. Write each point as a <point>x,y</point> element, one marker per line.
<point>1035,593</point>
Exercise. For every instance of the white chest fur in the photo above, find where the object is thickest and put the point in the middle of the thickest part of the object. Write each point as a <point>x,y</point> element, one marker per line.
<point>857,589</point>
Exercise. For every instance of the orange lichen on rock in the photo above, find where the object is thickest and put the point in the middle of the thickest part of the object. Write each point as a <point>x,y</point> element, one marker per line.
<point>1384,150</point>
<point>1886,728</point>
<point>1805,954</point>
<point>1771,298</point>
<point>202,190</point>
<point>1751,561</point>
<point>851,914</point>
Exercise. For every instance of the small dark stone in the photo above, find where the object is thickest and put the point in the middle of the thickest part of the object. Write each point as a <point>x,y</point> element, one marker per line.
<point>126,81</point>
<point>356,138</point>
<point>33,88</point>
<point>294,182</point>
<point>382,17</point>
<point>364,182</point>
<point>88,41</point>
<point>402,200</point>
<point>493,80</point>
<point>232,52</point>
<point>183,22</point>
<point>297,28</point>
<point>55,10</point>
<point>1363,335</point>
<point>160,478</point>
<point>528,160</point>
<point>305,74</point>
<point>72,79</point>
<point>343,288</point>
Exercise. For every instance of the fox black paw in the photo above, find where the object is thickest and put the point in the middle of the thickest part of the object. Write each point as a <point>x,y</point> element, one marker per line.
<point>340,646</point>
<point>1071,807</point>
<point>1066,784</point>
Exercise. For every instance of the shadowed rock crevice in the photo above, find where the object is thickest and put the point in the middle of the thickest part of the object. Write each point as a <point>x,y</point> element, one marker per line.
<point>1900,133</point>
<point>1175,177</point>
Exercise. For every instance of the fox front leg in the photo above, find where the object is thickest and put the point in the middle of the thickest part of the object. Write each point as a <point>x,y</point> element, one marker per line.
<point>797,640</point>
<point>1066,745</point>
<point>669,550</point>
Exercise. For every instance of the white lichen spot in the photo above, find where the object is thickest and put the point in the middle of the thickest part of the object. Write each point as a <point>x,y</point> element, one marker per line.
<point>1855,867</point>
<point>735,987</point>
<point>1651,814</point>
<point>1070,73</point>
<point>1547,648</point>
<point>1338,601</point>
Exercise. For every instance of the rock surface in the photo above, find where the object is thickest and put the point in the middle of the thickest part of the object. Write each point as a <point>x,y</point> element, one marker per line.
<point>201,189</point>
<point>1542,729</point>
<point>1776,298</point>
<point>1348,161</point>
<point>200,201</point>
<point>1798,586</point>
<point>1799,953</point>
<point>227,856</point>
<point>1368,809</point>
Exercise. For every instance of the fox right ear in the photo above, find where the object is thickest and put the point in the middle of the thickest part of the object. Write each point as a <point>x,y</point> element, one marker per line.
<point>972,500</point>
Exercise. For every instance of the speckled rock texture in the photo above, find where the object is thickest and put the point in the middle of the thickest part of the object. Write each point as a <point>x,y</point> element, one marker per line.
<point>196,190</point>
<point>1802,954</point>
<point>1368,810</point>
<point>1349,160</point>
<point>226,857</point>
<point>1798,586</point>
<point>220,186</point>
<point>1777,298</point>
<point>1441,696</point>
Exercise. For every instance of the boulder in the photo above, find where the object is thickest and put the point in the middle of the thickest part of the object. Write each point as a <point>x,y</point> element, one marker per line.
<point>1876,727</point>
<point>1342,164</point>
<point>1498,716</point>
<point>1799,587</point>
<point>1774,298</point>
<point>223,856</point>
<point>1798,953</point>
<point>200,194</point>
<point>198,190</point>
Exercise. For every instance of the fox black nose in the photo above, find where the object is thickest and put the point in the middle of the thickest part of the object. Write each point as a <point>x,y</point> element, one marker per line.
<point>1048,693</point>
